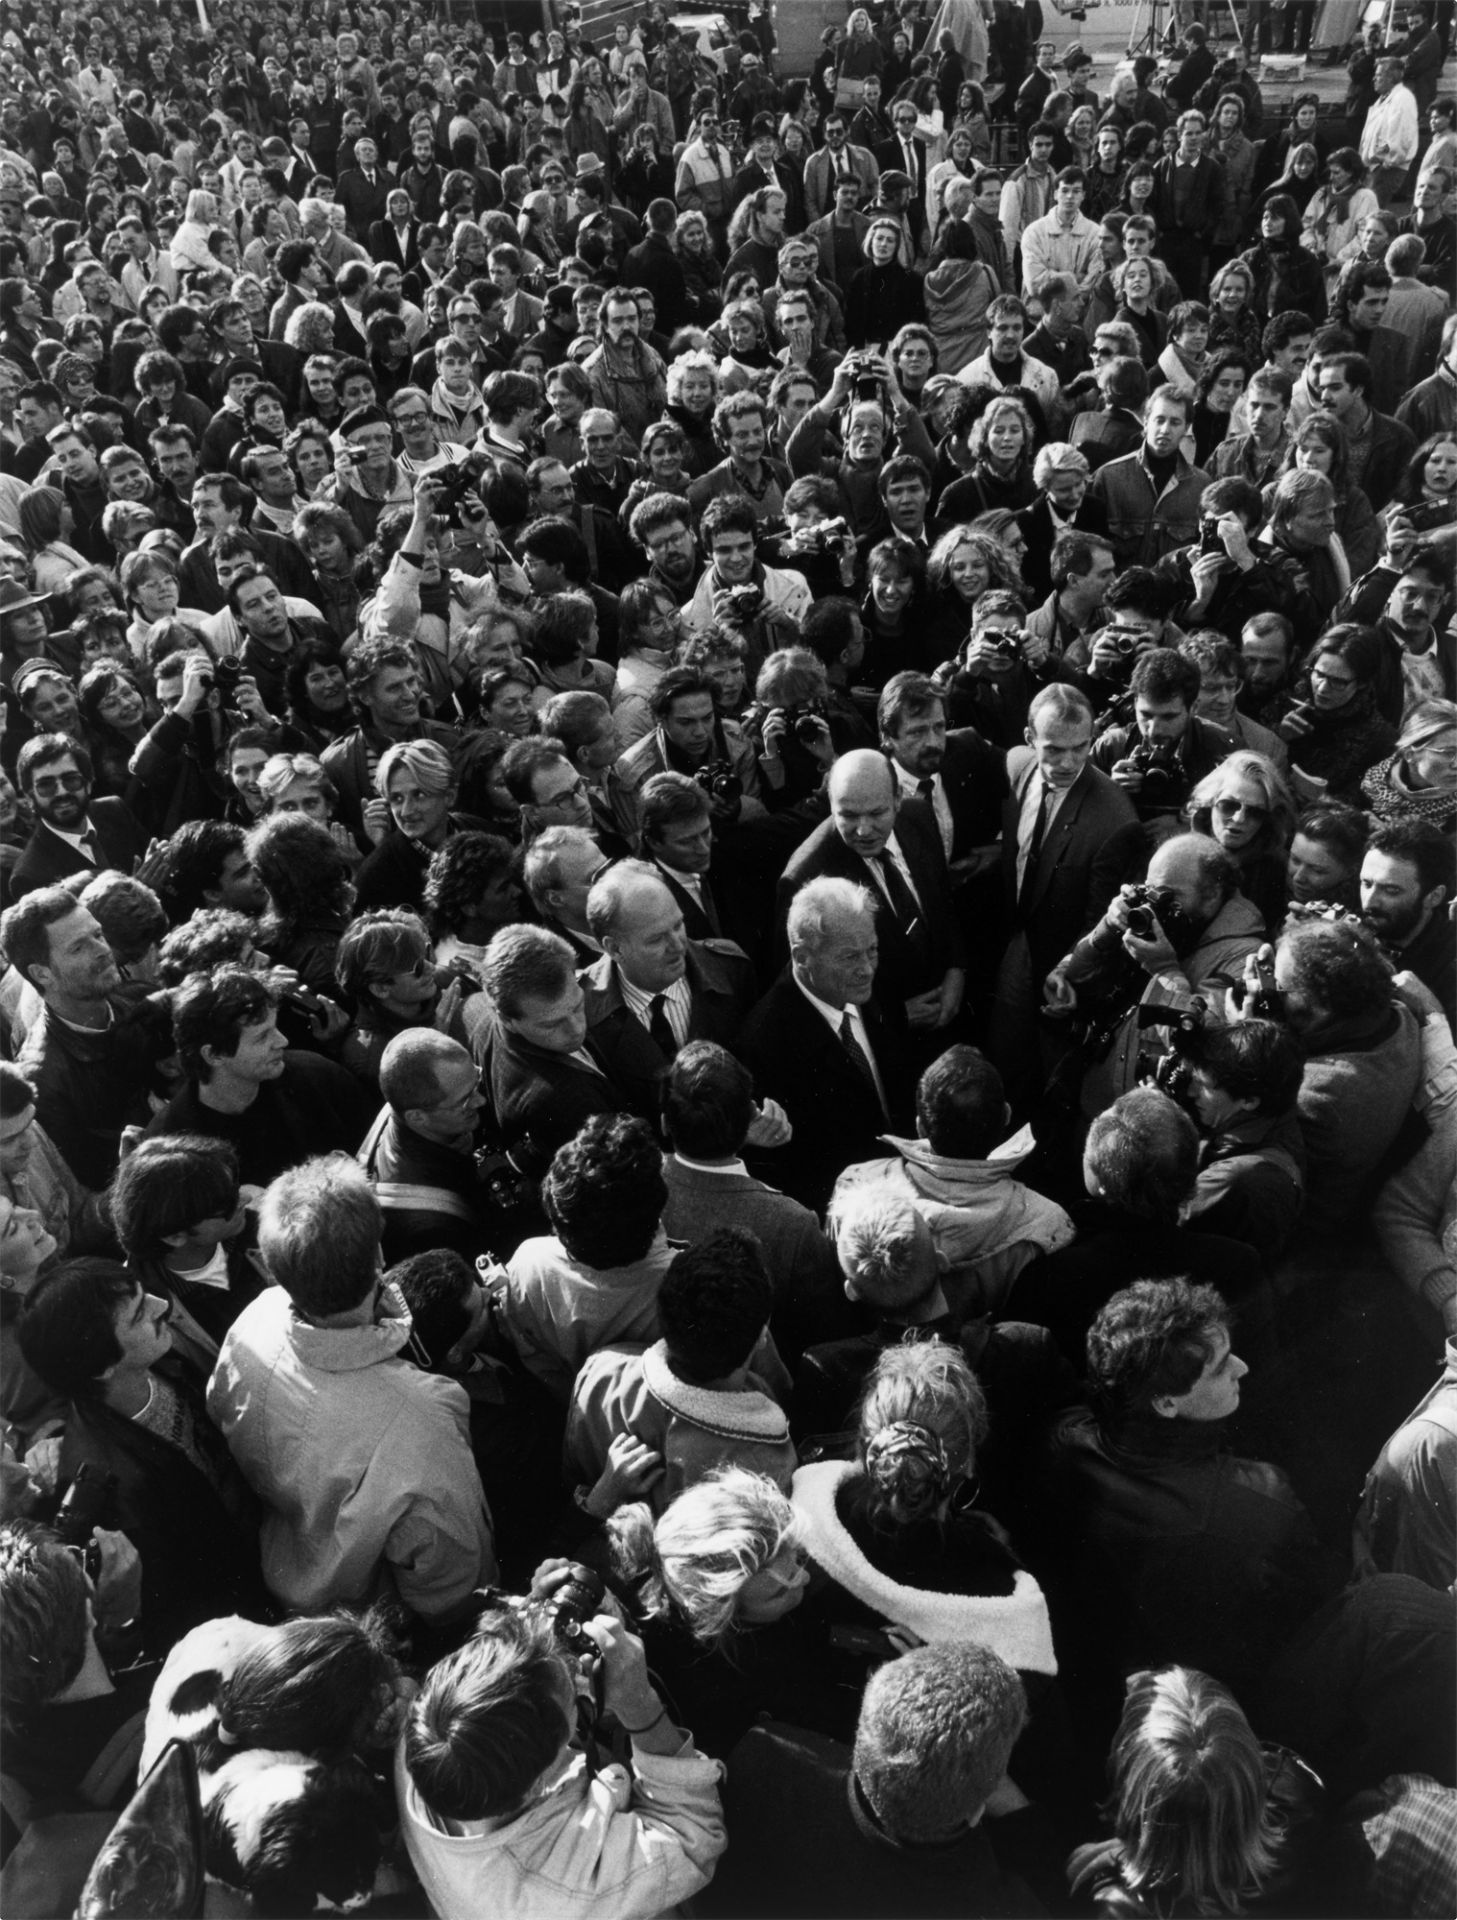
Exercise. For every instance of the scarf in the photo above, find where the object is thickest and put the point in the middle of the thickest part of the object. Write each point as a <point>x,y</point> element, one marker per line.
<point>1193,364</point>
<point>1387,786</point>
<point>436,600</point>
<point>457,413</point>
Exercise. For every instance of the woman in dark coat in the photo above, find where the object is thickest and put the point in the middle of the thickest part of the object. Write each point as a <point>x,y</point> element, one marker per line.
<point>885,294</point>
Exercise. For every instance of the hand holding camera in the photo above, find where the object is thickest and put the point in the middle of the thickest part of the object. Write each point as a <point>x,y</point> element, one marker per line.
<point>990,655</point>
<point>1114,652</point>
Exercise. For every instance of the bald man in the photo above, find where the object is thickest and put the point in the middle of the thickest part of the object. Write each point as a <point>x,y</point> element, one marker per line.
<point>654,989</point>
<point>420,1152</point>
<point>892,846</point>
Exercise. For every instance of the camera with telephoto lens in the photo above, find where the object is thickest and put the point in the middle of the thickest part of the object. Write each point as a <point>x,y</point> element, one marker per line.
<point>719,781</point>
<point>224,675</point>
<point>571,1606</point>
<point>1164,783</point>
<point>452,484</point>
<point>80,1515</point>
<point>824,538</point>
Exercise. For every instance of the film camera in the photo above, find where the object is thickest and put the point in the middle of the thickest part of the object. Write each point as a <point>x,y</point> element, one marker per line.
<point>1265,1001</point>
<point>744,602</point>
<point>1164,784</point>
<point>224,675</point>
<point>452,484</point>
<point>1173,1072</point>
<point>866,378</point>
<point>1152,908</point>
<point>1006,646</point>
<point>80,1514</point>
<point>824,538</point>
<point>719,781</point>
<point>1209,540</point>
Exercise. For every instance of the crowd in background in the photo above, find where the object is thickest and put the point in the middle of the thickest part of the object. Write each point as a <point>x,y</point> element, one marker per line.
<point>727,1092</point>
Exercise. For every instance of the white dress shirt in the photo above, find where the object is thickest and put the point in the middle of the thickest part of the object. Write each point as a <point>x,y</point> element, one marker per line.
<point>677,1004</point>
<point>833,1017</point>
<point>908,784</point>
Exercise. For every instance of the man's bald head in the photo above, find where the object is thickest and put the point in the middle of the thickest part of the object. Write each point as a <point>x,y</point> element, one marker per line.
<point>864,800</point>
<point>1197,871</point>
<point>413,1065</point>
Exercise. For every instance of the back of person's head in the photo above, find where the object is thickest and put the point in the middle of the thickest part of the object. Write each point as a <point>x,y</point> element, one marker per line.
<point>714,1304</point>
<point>67,1329</point>
<point>604,1192</point>
<point>1151,1340</point>
<point>488,1720</point>
<point>1337,966</point>
<point>961,1104</point>
<point>922,1416</point>
<point>439,1288</point>
<point>319,1229</point>
<point>712,1540</point>
<point>290,1832</point>
<point>883,1246</point>
<point>45,1602</point>
<point>1190,1795</point>
<point>528,963</point>
<point>313,1685</point>
<point>936,1730</point>
<point>708,1101</point>
<point>166,1186</point>
<point>1143,1155</point>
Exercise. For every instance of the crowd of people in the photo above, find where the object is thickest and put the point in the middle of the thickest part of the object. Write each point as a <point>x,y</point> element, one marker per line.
<point>728,839</point>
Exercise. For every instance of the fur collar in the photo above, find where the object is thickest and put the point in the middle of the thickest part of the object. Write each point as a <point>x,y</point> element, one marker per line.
<point>750,1415</point>
<point>1014,1625</point>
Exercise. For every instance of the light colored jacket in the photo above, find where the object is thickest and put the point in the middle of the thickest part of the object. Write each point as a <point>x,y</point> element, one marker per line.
<point>556,1312</point>
<point>438,644</point>
<point>362,1461</point>
<point>986,1225</point>
<point>1036,376</point>
<point>1049,247</point>
<point>621,1844</point>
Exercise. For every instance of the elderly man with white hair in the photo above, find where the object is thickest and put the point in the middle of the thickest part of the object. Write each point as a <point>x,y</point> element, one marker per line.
<point>821,1045</point>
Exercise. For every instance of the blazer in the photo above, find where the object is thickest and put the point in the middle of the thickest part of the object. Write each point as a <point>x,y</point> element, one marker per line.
<point>521,314</point>
<point>701,919</point>
<point>389,246</point>
<point>819,178</point>
<point>721,987</point>
<point>974,775</point>
<point>797,1060</point>
<point>1075,879</point>
<point>363,204</point>
<point>1039,533</point>
<point>541,1099</point>
<point>821,231</point>
<point>907,965</point>
<point>46,858</point>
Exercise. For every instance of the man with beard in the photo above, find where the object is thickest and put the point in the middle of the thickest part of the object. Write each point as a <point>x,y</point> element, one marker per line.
<point>662,527</point>
<point>1418,662</point>
<point>73,833</point>
<point>688,735</point>
<point>1408,876</point>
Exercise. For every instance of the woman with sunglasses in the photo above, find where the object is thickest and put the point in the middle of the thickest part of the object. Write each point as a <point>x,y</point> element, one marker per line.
<point>1247,808</point>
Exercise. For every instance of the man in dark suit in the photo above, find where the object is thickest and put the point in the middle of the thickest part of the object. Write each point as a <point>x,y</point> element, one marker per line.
<point>962,778</point>
<point>1057,876</point>
<point>396,238</point>
<point>654,990</point>
<point>677,838</point>
<point>73,833</point>
<point>821,1046</point>
<point>1187,203</point>
<point>363,190</point>
<point>546,1077</point>
<point>906,154</point>
<point>895,851</point>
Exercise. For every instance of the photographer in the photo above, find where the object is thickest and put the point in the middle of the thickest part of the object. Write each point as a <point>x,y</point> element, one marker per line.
<point>502,1811</point>
<point>991,684</point>
<point>1166,751</point>
<point>736,590</point>
<point>691,737</point>
<point>1240,1084</point>
<point>1189,924</point>
<point>876,421</point>
<point>178,759</point>
<point>1223,577</point>
<point>819,544</point>
<point>1362,1055</point>
<point>1136,604</point>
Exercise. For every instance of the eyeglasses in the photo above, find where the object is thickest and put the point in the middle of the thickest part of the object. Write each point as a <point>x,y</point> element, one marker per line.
<point>1228,809</point>
<point>49,784</point>
<point>415,419</point>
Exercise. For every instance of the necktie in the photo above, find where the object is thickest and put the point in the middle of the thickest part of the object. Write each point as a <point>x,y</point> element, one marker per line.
<point>926,790</point>
<point>902,900</point>
<point>660,1028</point>
<point>1034,849</point>
<point>89,847</point>
<point>859,1058</point>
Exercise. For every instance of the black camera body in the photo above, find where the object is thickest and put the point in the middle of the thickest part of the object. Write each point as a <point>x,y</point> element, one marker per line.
<point>719,781</point>
<point>867,381</point>
<point>454,483</point>
<point>1152,908</point>
<point>1007,646</point>
<point>1173,1072</point>
<point>571,1607</point>
<point>1209,540</point>
<point>1164,783</point>
<point>801,719</point>
<point>224,675</point>
<point>81,1512</point>
<point>824,538</point>
<point>1266,1001</point>
<point>746,601</point>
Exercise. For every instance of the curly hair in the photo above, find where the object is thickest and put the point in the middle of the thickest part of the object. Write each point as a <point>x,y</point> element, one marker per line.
<point>303,870</point>
<point>1152,1339</point>
<point>44,1606</point>
<point>604,1192</point>
<point>460,873</point>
